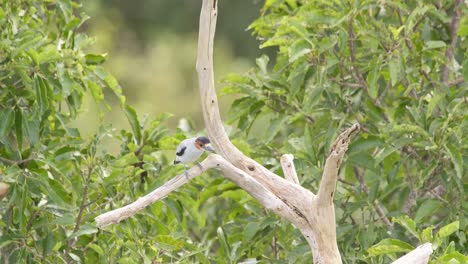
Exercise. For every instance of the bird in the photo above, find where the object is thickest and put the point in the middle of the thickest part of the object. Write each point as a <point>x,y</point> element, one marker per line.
<point>189,150</point>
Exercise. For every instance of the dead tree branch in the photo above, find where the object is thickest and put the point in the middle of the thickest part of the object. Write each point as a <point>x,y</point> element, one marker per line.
<point>419,255</point>
<point>313,215</point>
<point>287,163</point>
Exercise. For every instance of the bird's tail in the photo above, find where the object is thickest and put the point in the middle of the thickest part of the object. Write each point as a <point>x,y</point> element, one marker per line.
<point>176,162</point>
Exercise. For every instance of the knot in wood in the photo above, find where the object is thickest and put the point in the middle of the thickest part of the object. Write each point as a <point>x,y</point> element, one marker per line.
<point>251,167</point>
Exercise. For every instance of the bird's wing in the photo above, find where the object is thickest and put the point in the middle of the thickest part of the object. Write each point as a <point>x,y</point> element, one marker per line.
<point>182,147</point>
<point>180,150</point>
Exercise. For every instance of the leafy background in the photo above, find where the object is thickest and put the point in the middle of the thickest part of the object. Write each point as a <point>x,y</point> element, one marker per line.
<point>75,141</point>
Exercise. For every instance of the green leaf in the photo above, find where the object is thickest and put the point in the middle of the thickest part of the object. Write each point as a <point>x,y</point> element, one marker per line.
<point>465,68</point>
<point>394,68</point>
<point>111,82</point>
<point>389,246</point>
<point>408,224</point>
<point>85,229</point>
<point>64,220</point>
<point>427,208</point>
<point>48,54</point>
<point>296,77</point>
<point>126,160</point>
<point>456,158</point>
<point>298,49</point>
<point>42,92</point>
<point>453,258</point>
<point>95,59</point>
<point>275,126</point>
<point>8,118</point>
<point>175,207</point>
<point>426,235</point>
<point>96,91</point>
<point>396,31</point>
<point>463,28</point>
<point>97,249</point>
<point>250,230</point>
<point>31,129</point>
<point>223,241</point>
<point>372,78</point>
<point>449,229</point>
<point>19,127</point>
<point>48,243</point>
<point>433,103</point>
<point>434,45</point>
<point>134,123</point>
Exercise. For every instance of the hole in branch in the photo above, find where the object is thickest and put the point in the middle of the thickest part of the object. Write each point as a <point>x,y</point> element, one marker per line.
<point>251,168</point>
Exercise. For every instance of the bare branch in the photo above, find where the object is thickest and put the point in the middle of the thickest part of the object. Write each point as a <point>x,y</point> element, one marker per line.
<point>72,241</point>
<point>315,218</point>
<point>16,162</point>
<point>243,180</point>
<point>287,163</point>
<point>332,165</point>
<point>117,215</point>
<point>419,255</point>
<point>214,125</point>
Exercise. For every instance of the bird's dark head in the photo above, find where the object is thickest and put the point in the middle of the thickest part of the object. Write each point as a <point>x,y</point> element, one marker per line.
<point>203,143</point>
<point>203,140</point>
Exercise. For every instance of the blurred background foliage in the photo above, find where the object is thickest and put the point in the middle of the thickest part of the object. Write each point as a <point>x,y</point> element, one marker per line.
<point>67,159</point>
<point>152,51</point>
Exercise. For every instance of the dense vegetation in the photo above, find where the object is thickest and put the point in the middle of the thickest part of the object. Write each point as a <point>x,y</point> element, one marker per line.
<point>399,69</point>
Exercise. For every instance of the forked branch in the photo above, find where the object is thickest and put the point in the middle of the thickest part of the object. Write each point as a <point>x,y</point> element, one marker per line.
<point>313,215</point>
<point>243,180</point>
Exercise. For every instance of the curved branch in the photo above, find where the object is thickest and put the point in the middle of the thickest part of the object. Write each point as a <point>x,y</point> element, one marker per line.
<point>117,215</point>
<point>332,165</point>
<point>281,187</point>
<point>313,215</point>
<point>243,180</point>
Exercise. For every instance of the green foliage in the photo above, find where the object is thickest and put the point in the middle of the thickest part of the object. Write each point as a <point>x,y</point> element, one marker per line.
<point>379,64</point>
<point>376,63</point>
<point>446,254</point>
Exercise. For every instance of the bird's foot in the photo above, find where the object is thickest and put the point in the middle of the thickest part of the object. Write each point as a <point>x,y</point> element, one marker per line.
<point>199,165</point>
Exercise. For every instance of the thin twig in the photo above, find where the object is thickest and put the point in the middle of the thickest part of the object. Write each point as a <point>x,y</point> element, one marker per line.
<point>16,162</point>
<point>274,247</point>
<point>456,82</point>
<point>72,241</point>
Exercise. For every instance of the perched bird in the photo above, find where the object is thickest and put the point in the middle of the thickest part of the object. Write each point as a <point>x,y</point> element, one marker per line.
<point>190,150</point>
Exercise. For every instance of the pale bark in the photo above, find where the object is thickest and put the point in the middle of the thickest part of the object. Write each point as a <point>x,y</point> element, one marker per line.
<point>313,215</point>
<point>289,170</point>
<point>419,255</point>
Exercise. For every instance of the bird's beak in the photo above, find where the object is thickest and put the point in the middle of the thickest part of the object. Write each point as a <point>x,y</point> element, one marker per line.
<point>209,148</point>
